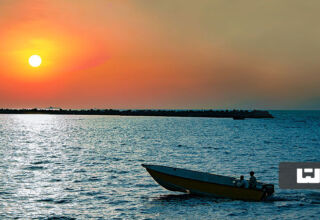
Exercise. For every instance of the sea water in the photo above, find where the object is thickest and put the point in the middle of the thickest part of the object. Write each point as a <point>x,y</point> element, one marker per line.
<point>81,167</point>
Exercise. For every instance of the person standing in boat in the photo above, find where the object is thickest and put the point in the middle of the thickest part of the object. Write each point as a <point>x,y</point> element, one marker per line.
<point>252,180</point>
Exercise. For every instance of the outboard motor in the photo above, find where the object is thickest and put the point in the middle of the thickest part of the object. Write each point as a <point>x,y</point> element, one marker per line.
<point>268,190</point>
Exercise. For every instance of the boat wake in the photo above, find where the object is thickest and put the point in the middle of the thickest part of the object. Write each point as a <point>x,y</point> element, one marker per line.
<point>307,197</point>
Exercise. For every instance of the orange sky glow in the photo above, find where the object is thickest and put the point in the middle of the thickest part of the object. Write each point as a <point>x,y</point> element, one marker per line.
<point>165,54</point>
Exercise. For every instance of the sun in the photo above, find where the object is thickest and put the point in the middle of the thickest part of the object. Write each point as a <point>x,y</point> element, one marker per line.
<point>35,60</point>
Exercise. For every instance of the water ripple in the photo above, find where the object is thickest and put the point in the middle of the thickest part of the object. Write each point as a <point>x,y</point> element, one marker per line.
<point>88,167</point>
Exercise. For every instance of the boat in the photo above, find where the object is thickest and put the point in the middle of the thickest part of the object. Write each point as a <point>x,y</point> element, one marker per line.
<point>206,184</point>
<point>238,117</point>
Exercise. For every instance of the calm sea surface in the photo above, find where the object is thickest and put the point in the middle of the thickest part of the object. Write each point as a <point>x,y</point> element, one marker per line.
<point>55,166</point>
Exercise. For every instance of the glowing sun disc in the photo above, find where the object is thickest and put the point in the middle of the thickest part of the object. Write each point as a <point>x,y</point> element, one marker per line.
<point>35,60</point>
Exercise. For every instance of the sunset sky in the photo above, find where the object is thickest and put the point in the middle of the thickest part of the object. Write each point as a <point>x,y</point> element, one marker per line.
<point>160,54</point>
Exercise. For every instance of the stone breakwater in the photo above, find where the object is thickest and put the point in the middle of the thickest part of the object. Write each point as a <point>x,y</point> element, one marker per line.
<point>235,114</point>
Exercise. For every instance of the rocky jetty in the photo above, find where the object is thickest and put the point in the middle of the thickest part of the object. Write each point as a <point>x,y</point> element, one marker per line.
<point>235,114</point>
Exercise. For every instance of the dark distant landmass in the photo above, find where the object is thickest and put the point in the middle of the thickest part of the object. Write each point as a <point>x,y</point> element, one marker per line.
<point>235,114</point>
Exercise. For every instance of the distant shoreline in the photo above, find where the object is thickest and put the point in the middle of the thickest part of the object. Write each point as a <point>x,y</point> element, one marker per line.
<point>235,114</point>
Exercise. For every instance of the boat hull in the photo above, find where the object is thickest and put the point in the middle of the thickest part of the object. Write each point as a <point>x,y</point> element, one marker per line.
<point>199,187</point>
